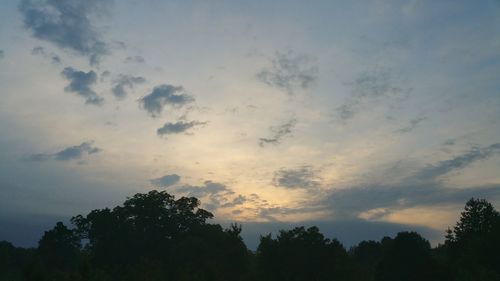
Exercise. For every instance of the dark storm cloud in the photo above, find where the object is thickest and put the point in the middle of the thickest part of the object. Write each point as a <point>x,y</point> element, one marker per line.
<point>412,126</point>
<point>166,181</point>
<point>279,132</point>
<point>369,88</point>
<point>134,59</point>
<point>177,127</point>
<point>40,51</point>
<point>124,82</point>
<point>165,95</point>
<point>423,188</point>
<point>67,24</point>
<point>289,72</point>
<point>302,177</point>
<point>81,83</point>
<point>69,153</point>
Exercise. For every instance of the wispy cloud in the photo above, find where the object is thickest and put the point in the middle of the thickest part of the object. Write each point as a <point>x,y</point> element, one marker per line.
<point>369,88</point>
<point>412,126</point>
<point>289,72</point>
<point>423,188</point>
<point>40,51</point>
<point>134,59</point>
<point>279,132</point>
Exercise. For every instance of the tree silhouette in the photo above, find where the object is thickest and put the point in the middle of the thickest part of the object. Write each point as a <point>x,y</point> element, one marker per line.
<point>155,237</point>
<point>302,254</point>
<point>473,246</point>
<point>406,257</point>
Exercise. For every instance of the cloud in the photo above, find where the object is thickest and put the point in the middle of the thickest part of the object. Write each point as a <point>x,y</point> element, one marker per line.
<point>238,200</point>
<point>69,153</point>
<point>289,72</point>
<point>2,54</point>
<point>178,127</point>
<point>369,88</point>
<point>81,83</point>
<point>216,195</point>
<point>422,188</point>
<point>433,172</point>
<point>208,188</point>
<point>162,96</point>
<point>66,24</point>
<point>166,181</point>
<point>134,59</point>
<point>40,51</point>
<point>279,132</point>
<point>123,82</point>
<point>302,177</point>
<point>412,126</point>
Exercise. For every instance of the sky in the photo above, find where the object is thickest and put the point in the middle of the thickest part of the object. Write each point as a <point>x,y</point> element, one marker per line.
<point>363,117</point>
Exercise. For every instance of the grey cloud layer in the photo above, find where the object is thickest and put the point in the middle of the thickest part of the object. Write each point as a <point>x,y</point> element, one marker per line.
<point>177,127</point>
<point>423,188</point>
<point>69,153</point>
<point>165,95</point>
<point>302,177</point>
<point>289,72</point>
<point>433,172</point>
<point>67,24</point>
<point>166,181</point>
<point>81,83</point>
<point>2,54</point>
<point>279,132</point>
<point>124,82</point>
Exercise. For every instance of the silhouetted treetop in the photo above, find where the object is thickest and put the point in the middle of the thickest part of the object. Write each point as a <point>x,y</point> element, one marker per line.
<point>479,217</point>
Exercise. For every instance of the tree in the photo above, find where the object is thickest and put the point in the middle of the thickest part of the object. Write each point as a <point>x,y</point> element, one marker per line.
<point>478,218</point>
<point>59,248</point>
<point>158,236</point>
<point>473,246</point>
<point>406,257</point>
<point>302,254</point>
<point>366,255</point>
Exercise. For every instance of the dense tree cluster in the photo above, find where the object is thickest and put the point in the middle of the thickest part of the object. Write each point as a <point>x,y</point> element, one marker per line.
<point>154,236</point>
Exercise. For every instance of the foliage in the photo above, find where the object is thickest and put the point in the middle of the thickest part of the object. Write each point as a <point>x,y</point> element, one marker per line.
<point>154,237</point>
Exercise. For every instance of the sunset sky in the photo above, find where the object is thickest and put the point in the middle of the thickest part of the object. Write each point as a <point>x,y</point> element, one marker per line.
<point>363,117</point>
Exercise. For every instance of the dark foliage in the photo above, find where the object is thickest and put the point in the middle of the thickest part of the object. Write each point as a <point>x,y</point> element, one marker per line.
<point>154,236</point>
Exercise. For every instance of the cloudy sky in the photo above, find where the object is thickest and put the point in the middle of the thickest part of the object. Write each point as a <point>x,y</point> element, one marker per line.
<point>364,117</point>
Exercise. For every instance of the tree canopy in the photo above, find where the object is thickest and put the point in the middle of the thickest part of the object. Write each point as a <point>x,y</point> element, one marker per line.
<point>154,236</point>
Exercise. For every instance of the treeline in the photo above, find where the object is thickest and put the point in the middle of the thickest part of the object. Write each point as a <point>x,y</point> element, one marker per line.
<point>154,236</point>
